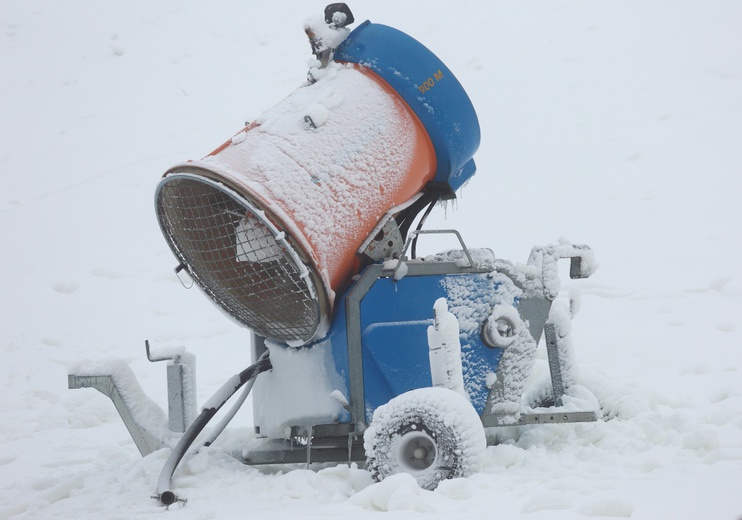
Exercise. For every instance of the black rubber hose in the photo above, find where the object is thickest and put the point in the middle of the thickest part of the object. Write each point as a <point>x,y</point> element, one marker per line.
<point>212,406</point>
<point>413,252</point>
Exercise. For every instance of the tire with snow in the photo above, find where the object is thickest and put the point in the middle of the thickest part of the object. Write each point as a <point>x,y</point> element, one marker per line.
<point>433,434</point>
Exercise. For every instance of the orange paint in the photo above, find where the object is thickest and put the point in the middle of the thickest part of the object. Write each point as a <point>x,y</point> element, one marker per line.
<point>236,164</point>
<point>419,173</point>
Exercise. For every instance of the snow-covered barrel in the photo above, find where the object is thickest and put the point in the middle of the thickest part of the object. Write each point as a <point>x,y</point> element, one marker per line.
<point>269,224</point>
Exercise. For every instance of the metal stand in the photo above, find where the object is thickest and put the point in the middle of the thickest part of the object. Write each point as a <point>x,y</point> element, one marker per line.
<point>181,384</point>
<point>181,399</point>
<point>555,365</point>
<point>145,440</point>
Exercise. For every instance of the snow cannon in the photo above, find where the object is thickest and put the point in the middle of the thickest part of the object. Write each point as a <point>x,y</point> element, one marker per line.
<point>303,227</point>
<point>271,223</point>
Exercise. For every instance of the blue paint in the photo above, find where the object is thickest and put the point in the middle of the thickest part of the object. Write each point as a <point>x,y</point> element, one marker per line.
<point>395,316</point>
<point>428,87</point>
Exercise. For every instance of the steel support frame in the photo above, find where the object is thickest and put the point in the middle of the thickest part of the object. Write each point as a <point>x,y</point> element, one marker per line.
<point>145,441</point>
<point>343,442</point>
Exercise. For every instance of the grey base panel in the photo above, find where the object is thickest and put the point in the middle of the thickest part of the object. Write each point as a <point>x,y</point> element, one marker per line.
<point>298,455</point>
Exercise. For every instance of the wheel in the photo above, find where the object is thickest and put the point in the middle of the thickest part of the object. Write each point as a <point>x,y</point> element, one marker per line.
<point>433,434</point>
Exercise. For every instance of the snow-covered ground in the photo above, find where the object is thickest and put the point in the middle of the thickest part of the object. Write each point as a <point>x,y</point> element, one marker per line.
<point>615,124</point>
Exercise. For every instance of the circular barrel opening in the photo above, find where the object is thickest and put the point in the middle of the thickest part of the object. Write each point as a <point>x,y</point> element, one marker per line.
<point>239,257</point>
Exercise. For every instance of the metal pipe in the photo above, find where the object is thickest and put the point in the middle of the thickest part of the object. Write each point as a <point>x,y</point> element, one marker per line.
<point>212,406</point>
<point>230,415</point>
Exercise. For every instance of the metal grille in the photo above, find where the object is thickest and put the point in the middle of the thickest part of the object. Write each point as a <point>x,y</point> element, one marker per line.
<point>242,262</point>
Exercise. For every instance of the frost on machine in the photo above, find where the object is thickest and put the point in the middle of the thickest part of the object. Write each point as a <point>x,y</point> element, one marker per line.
<point>303,227</point>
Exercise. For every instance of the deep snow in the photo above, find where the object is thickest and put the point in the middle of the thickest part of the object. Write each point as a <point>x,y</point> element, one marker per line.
<point>615,124</point>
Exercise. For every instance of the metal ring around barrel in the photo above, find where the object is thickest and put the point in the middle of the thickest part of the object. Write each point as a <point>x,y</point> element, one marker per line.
<point>239,257</point>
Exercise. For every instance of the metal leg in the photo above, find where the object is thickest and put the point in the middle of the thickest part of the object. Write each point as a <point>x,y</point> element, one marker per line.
<point>181,388</point>
<point>145,440</point>
<point>555,366</point>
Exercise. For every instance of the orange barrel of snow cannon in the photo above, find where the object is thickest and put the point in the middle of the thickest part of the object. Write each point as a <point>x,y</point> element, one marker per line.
<point>270,223</point>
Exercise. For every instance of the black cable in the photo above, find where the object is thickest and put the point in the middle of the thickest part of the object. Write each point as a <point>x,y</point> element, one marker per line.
<point>164,495</point>
<point>413,249</point>
<point>408,215</point>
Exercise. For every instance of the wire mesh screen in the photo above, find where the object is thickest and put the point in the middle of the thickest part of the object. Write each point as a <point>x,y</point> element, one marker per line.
<point>237,259</point>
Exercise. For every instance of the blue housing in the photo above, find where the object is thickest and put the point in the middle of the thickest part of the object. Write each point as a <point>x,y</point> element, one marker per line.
<point>395,316</point>
<point>428,87</point>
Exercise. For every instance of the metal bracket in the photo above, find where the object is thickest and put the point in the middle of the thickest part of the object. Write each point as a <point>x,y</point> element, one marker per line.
<point>417,232</point>
<point>555,365</point>
<point>579,267</point>
<point>534,311</point>
<point>558,382</point>
<point>181,399</point>
<point>146,442</point>
<point>556,417</point>
<point>280,452</point>
<point>386,243</point>
<point>309,444</point>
